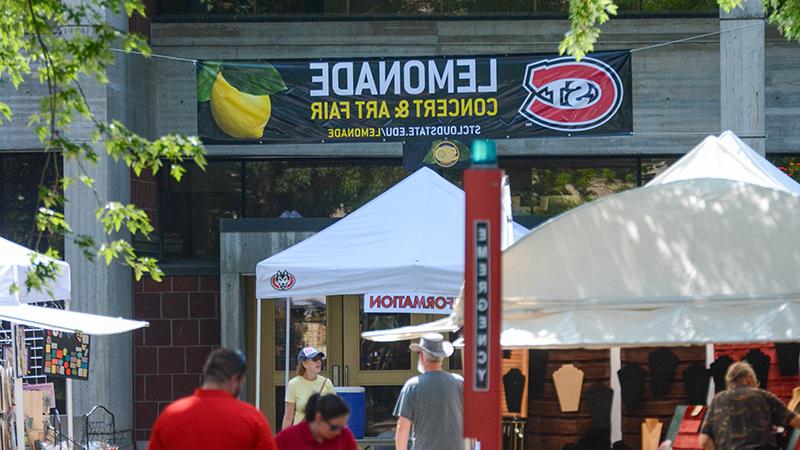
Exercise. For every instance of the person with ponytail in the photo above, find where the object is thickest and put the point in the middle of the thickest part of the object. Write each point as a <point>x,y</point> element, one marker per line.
<point>307,382</point>
<point>324,427</point>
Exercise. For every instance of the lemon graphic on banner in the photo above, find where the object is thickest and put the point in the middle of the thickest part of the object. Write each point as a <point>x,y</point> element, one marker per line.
<point>237,113</point>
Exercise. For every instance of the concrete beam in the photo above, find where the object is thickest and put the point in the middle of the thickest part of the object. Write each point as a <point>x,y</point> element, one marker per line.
<point>742,74</point>
<point>101,289</point>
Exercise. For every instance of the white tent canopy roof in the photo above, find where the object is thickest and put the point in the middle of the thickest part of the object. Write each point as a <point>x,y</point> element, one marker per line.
<point>708,252</point>
<point>69,321</point>
<point>727,158</point>
<point>15,263</point>
<point>410,239</point>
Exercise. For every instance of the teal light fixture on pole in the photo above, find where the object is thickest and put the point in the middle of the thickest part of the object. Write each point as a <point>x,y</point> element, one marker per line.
<point>484,153</point>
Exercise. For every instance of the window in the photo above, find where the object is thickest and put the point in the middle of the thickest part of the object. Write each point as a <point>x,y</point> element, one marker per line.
<point>201,9</point>
<point>20,174</point>
<point>547,187</point>
<point>275,188</point>
<point>788,164</point>
<point>191,209</point>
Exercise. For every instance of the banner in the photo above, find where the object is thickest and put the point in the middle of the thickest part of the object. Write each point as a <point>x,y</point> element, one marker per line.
<point>408,303</point>
<point>422,99</point>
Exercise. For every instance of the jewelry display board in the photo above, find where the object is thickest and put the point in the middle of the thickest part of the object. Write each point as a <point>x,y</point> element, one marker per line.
<point>66,354</point>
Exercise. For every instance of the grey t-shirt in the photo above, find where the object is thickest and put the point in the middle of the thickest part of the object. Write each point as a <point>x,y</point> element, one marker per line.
<point>433,402</point>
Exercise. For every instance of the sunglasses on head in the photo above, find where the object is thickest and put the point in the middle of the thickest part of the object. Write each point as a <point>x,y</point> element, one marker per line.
<point>335,428</point>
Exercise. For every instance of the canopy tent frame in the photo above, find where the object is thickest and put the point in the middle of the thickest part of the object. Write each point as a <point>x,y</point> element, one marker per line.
<point>373,253</point>
<point>18,310</point>
<point>757,301</point>
<point>711,237</point>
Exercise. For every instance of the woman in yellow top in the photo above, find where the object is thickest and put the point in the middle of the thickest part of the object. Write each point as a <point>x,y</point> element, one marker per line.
<point>307,383</point>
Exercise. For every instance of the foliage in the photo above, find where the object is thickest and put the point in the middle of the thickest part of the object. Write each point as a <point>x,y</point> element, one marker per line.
<point>64,45</point>
<point>584,17</point>
<point>587,15</point>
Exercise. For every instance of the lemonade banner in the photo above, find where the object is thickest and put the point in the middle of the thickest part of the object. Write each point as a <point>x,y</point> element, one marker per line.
<point>421,99</point>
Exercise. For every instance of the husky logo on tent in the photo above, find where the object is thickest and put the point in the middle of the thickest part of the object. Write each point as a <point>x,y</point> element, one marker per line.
<point>567,95</point>
<point>282,281</point>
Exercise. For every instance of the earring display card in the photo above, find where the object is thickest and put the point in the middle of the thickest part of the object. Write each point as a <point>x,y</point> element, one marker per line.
<point>66,354</point>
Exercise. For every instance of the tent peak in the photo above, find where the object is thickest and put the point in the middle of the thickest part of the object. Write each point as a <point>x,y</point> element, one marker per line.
<point>727,157</point>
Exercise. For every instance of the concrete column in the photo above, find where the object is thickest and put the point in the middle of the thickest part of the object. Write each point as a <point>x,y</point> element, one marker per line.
<point>742,105</point>
<point>101,289</point>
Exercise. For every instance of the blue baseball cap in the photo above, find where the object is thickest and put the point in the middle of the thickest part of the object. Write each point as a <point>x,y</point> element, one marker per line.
<point>309,353</point>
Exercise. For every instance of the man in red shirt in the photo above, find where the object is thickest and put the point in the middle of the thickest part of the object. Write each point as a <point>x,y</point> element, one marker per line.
<point>324,427</point>
<point>212,418</point>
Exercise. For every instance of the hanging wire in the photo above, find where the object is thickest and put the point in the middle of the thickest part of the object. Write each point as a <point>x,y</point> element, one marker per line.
<point>699,36</point>
<point>648,47</point>
<point>154,55</point>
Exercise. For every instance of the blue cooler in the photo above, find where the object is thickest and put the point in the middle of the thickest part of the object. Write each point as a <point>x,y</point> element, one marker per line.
<point>355,397</point>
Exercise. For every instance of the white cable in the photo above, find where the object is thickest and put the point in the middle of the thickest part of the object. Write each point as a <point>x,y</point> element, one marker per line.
<point>678,41</point>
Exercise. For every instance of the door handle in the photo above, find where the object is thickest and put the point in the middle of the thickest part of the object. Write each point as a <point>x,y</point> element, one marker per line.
<point>347,375</point>
<point>335,374</point>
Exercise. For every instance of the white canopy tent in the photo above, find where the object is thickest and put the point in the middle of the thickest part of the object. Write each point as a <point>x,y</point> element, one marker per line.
<point>408,240</point>
<point>707,252</point>
<point>16,262</point>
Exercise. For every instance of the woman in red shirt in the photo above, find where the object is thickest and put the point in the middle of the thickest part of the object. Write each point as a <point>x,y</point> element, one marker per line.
<point>324,427</point>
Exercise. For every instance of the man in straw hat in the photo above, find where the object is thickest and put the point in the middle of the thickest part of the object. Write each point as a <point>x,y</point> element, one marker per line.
<point>432,401</point>
<point>744,416</point>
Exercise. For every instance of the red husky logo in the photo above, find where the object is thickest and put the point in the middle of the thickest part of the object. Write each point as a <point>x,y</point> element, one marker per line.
<point>566,95</point>
<point>282,281</point>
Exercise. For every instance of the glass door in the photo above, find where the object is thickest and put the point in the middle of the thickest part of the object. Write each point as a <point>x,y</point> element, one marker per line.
<point>332,325</point>
<point>380,367</point>
<point>313,322</point>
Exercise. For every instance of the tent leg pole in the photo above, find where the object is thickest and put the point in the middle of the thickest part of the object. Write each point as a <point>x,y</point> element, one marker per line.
<point>258,353</point>
<point>616,403</point>
<point>710,357</point>
<point>288,337</point>
<point>70,411</point>
<point>70,422</point>
<point>19,409</point>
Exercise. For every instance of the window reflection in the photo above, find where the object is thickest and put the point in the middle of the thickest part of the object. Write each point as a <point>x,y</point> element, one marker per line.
<point>651,168</point>
<point>308,328</point>
<point>551,186</point>
<point>194,206</point>
<point>418,8</point>
<point>384,355</point>
<point>275,188</point>
<point>788,164</point>
<point>380,401</point>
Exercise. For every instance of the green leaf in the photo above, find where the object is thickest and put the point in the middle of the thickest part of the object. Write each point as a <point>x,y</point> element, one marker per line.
<point>254,79</point>
<point>5,112</point>
<point>206,75</point>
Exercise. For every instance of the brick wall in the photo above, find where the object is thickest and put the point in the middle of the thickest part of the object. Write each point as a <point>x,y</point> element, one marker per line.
<point>144,194</point>
<point>168,355</point>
